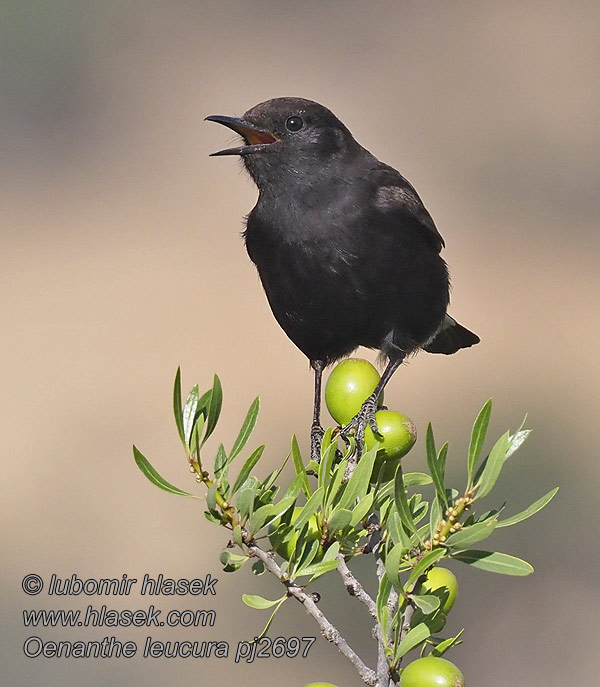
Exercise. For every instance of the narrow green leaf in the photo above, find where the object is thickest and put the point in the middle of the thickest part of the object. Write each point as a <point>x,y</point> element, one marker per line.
<point>324,472</point>
<point>214,408</point>
<point>429,559</point>
<point>144,465</point>
<point>220,461</point>
<point>299,467</point>
<point>412,639</point>
<point>493,466</point>
<point>295,487</point>
<point>528,512</point>
<point>442,647</point>
<point>260,518</point>
<point>435,515</point>
<point>245,499</point>
<point>402,502</point>
<point>177,407</point>
<point>237,535</point>
<point>211,498</point>
<point>392,564</point>
<point>334,486</point>
<point>362,509</point>
<point>428,603</point>
<point>189,413</point>
<point>358,485</point>
<point>309,509</point>
<point>472,534</point>
<point>318,569</point>
<point>247,467</point>
<point>246,429</point>
<point>397,532</point>
<point>416,479</point>
<point>258,602</point>
<point>383,594</point>
<point>495,562</point>
<point>435,466</point>
<point>478,435</point>
<point>332,552</point>
<point>339,520</point>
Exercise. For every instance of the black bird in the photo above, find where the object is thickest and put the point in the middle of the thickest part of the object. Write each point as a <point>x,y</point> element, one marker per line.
<point>345,249</point>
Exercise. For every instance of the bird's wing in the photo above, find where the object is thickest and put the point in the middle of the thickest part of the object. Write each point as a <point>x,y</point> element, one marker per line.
<point>393,194</point>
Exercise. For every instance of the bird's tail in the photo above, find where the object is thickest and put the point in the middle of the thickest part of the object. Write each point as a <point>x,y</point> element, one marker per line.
<point>450,338</point>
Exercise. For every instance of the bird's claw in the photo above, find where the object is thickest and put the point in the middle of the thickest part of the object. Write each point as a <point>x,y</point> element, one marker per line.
<point>358,424</point>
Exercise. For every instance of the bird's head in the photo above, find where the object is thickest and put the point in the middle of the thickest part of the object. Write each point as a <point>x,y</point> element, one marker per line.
<point>287,138</point>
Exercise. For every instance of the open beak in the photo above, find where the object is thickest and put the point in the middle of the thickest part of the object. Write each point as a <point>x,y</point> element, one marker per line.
<point>256,139</point>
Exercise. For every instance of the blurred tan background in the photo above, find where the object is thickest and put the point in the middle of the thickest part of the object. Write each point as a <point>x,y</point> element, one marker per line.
<point>121,259</point>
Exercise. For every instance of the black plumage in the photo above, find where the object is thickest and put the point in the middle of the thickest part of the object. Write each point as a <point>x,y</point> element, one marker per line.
<point>345,249</point>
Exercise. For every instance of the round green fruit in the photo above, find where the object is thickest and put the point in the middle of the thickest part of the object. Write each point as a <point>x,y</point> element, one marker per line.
<point>398,434</point>
<point>285,549</point>
<point>321,684</point>
<point>431,671</point>
<point>349,385</point>
<point>445,581</point>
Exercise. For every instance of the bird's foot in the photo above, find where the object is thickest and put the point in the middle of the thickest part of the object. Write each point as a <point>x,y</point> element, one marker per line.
<point>316,437</point>
<point>356,427</point>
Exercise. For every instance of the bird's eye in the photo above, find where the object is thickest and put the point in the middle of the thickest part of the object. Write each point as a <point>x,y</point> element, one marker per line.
<point>294,123</point>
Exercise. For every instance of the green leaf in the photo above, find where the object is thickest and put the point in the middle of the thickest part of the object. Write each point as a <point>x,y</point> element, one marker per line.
<point>492,466</point>
<point>309,509</point>
<point>189,413</point>
<point>396,530</point>
<point>324,472</point>
<point>260,603</point>
<point>478,434</point>
<point>443,646</point>
<point>318,569</point>
<point>246,429</point>
<point>528,512</point>
<point>299,467</point>
<point>334,486</point>
<point>220,461</point>
<point>416,479</point>
<point>402,502</point>
<point>362,509</point>
<point>358,485</point>
<point>428,603</point>
<point>412,639</point>
<point>214,408</point>
<point>392,564</point>
<point>247,467</point>
<point>339,520</point>
<point>435,464</point>
<point>435,515</point>
<point>144,465</point>
<point>428,560</point>
<point>495,562</point>
<point>260,518</point>
<point>472,534</point>
<point>245,500</point>
<point>383,594</point>
<point>237,535</point>
<point>177,408</point>
<point>211,498</point>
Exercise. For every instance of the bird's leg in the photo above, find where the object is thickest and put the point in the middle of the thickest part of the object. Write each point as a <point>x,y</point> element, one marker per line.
<point>366,414</point>
<point>316,431</point>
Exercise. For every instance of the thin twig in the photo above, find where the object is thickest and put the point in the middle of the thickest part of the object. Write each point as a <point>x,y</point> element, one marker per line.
<point>354,587</point>
<point>329,631</point>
